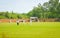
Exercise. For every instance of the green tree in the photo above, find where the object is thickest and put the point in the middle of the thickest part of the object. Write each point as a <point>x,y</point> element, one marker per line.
<point>36,11</point>
<point>52,8</point>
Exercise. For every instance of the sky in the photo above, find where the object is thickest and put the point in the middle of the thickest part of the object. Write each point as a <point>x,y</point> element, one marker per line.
<point>19,6</point>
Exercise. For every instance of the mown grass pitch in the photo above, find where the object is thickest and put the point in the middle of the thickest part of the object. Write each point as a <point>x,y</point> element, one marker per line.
<point>30,30</point>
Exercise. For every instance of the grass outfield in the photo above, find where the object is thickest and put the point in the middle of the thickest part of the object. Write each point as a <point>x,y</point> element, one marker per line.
<point>30,30</point>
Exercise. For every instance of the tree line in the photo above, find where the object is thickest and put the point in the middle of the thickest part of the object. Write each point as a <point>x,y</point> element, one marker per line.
<point>50,9</point>
<point>12,15</point>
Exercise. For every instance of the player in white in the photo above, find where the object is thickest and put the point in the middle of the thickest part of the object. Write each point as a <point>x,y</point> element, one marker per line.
<point>17,22</point>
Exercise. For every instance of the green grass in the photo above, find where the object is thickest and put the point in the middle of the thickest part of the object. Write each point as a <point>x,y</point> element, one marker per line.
<point>30,30</point>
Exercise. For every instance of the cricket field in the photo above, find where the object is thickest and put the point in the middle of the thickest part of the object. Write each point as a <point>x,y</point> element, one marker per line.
<point>30,30</point>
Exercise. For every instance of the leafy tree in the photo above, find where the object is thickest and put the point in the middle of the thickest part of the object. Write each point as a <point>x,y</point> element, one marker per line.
<point>36,11</point>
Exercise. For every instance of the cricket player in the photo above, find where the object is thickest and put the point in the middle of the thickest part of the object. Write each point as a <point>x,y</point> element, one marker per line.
<point>17,22</point>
